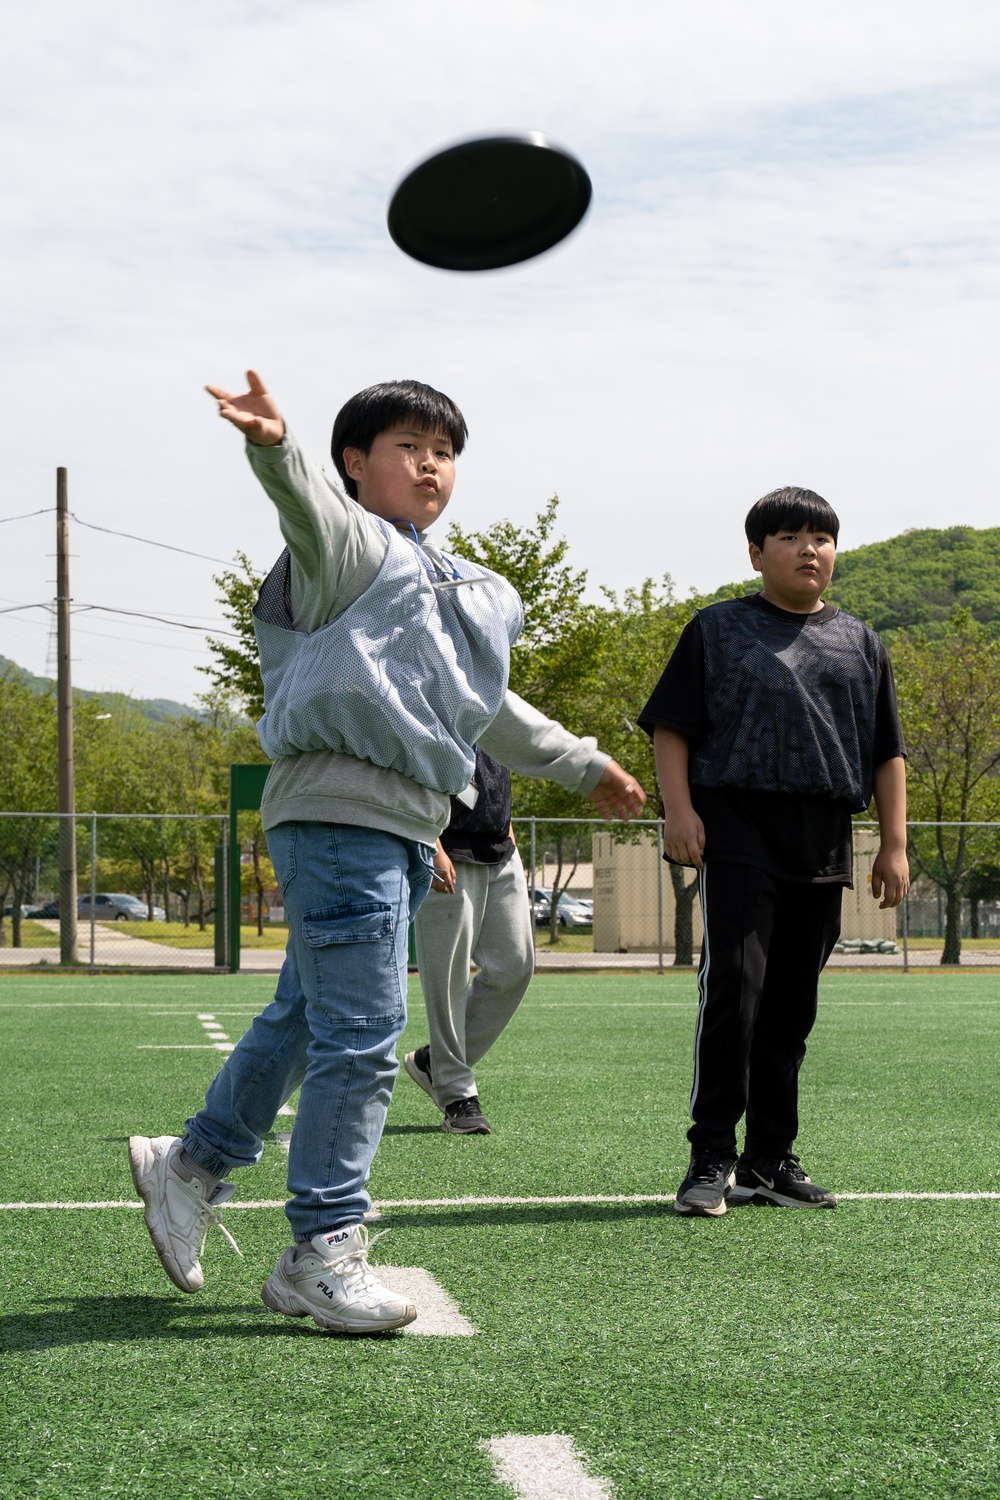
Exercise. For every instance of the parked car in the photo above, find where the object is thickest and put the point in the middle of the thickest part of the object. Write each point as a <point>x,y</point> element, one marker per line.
<point>47,912</point>
<point>116,907</point>
<point>572,913</point>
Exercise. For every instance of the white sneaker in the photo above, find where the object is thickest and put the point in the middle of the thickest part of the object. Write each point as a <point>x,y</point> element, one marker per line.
<point>418,1065</point>
<point>334,1285</point>
<point>177,1211</point>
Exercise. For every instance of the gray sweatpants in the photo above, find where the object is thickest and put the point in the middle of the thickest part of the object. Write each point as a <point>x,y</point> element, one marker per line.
<point>486,922</point>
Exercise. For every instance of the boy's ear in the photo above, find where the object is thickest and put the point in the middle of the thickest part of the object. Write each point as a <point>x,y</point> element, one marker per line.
<point>756,559</point>
<point>354,462</point>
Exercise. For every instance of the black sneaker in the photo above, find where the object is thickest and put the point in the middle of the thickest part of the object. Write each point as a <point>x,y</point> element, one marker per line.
<point>707,1185</point>
<point>418,1065</point>
<point>778,1180</point>
<point>465,1117</point>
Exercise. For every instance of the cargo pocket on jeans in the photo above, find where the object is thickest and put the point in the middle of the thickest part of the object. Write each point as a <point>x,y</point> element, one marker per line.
<point>357,977</point>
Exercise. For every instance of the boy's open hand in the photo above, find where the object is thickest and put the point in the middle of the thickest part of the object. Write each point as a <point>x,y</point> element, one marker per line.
<point>890,877</point>
<point>617,794</point>
<point>255,413</point>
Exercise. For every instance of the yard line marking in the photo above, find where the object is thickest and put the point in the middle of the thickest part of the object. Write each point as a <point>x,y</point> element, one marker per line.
<point>437,1314</point>
<point>185,1046</point>
<point>286,1110</point>
<point>530,1201</point>
<point>543,1468</point>
<point>691,1004</point>
<point>204,1016</point>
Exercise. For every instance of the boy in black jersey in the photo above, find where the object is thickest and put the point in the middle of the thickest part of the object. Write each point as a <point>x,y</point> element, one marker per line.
<point>774,721</point>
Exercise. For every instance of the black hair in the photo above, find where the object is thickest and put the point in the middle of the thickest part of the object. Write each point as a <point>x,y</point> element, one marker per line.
<point>381,407</point>
<point>790,509</point>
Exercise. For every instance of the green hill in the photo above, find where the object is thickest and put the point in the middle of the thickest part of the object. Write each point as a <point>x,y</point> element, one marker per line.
<point>916,579</point>
<point>920,578</point>
<point>156,709</point>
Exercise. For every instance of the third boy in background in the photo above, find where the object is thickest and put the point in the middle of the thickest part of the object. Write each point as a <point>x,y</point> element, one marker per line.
<point>774,720</point>
<point>476,912</point>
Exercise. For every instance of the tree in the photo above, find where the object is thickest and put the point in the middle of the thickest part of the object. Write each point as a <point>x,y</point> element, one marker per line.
<point>28,783</point>
<point>555,662</point>
<point>236,673</point>
<point>949,699</point>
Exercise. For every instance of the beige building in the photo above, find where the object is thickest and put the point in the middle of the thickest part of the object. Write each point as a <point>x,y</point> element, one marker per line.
<point>627,904</point>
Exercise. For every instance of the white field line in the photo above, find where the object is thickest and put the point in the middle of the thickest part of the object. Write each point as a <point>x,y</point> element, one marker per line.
<point>543,1468</point>
<point>437,1314</point>
<point>159,1010</point>
<point>530,1201</point>
<point>286,1109</point>
<point>218,1041</point>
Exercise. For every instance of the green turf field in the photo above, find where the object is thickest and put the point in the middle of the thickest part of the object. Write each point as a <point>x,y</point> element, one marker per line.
<point>778,1354</point>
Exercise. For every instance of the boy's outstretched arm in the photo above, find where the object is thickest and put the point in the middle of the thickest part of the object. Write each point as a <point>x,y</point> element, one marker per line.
<point>529,742</point>
<point>617,794</point>
<point>891,870</point>
<point>683,830</point>
<point>255,413</point>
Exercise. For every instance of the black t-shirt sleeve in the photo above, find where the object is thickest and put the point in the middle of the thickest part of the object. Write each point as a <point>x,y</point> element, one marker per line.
<point>678,699</point>
<point>888,730</point>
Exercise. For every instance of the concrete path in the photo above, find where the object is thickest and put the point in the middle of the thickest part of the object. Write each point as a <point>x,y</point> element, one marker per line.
<point>113,949</point>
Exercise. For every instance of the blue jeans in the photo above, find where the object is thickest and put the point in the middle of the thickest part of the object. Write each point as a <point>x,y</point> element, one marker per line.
<point>331,1030</point>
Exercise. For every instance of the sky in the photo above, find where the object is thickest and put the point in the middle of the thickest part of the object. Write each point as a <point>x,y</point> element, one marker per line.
<point>789,275</point>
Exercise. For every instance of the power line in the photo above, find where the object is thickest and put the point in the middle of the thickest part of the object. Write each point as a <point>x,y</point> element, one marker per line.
<point>226,562</point>
<point>139,614</point>
<point>46,509</point>
<point>166,546</point>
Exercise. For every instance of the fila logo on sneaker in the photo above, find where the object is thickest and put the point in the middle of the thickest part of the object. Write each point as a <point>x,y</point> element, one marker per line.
<point>338,1236</point>
<point>325,1289</point>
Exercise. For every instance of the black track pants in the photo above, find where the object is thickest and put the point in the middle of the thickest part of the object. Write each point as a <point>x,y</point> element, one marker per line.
<point>766,942</point>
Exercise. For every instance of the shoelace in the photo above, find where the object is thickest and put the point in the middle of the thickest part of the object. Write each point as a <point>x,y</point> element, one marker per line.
<point>470,1106</point>
<point>784,1166</point>
<point>208,1215</point>
<point>353,1266</point>
<point>708,1167</point>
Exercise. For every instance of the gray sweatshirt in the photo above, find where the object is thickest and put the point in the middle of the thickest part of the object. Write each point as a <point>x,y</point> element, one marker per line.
<point>336,551</point>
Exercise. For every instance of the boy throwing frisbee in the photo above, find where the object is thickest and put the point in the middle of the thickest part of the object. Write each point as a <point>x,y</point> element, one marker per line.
<point>385,663</point>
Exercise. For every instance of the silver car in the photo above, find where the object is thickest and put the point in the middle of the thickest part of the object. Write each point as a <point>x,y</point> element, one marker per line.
<point>116,907</point>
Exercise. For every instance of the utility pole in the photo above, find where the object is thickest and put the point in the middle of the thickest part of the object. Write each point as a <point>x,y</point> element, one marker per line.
<point>64,702</point>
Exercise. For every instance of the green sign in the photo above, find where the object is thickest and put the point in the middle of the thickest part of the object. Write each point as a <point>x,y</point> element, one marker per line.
<point>246,788</point>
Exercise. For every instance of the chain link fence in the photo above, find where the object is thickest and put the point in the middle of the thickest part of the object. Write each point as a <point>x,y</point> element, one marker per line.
<point>150,891</point>
<point>621,905</point>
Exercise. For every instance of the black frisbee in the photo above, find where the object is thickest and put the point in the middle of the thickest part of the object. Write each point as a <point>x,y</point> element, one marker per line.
<point>489,203</point>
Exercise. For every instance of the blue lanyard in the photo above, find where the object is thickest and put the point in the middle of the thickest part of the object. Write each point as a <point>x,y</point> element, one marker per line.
<point>433,572</point>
